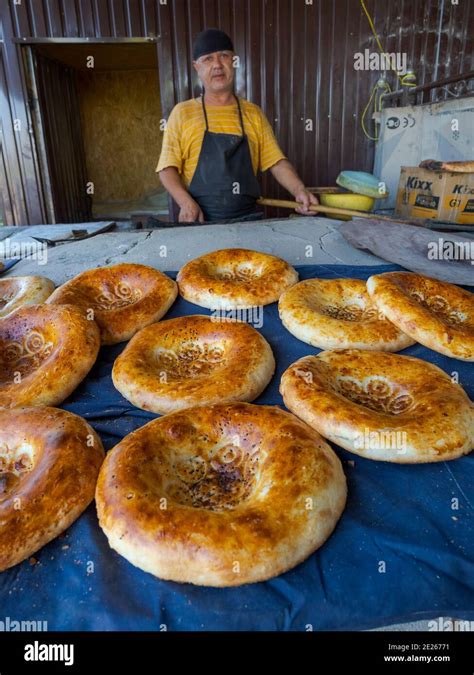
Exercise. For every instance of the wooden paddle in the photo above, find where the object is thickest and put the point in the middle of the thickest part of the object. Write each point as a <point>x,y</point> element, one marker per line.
<point>287,204</point>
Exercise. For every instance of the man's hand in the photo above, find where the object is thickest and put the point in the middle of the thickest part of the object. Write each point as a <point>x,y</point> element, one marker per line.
<point>190,212</point>
<point>286,175</point>
<point>305,198</point>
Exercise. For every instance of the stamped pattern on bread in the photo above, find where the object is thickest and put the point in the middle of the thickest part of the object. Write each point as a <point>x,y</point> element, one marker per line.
<point>376,393</point>
<point>190,359</point>
<point>25,356</point>
<point>439,306</point>
<point>121,296</point>
<point>352,313</point>
<point>238,274</point>
<point>223,482</point>
<point>45,352</point>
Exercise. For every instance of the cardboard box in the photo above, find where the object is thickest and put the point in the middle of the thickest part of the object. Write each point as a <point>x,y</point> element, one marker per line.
<point>441,196</point>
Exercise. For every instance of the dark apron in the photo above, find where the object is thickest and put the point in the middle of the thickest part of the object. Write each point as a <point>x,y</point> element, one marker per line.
<point>224,184</point>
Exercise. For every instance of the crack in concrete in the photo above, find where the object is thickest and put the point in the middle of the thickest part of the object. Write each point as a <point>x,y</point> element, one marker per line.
<point>321,246</point>
<point>110,259</point>
<point>124,253</point>
<point>293,235</point>
<point>135,243</point>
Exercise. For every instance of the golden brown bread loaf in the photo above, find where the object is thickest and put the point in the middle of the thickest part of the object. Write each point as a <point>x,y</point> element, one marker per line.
<point>435,313</point>
<point>123,298</point>
<point>338,313</point>
<point>49,463</point>
<point>45,352</point>
<point>18,292</point>
<point>193,360</point>
<point>235,277</point>
<point>454,167</point>
<point>381,406</point>
<point>220,495</point>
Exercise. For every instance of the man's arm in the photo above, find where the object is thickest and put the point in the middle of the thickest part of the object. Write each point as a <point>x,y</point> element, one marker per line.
<point>286,175</point>
<point>189,210</point>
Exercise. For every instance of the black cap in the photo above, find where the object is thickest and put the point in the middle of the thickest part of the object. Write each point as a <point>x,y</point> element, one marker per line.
<point>211,40</point>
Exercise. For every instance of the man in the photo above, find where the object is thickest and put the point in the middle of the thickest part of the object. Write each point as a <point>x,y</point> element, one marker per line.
<point>214,145</point>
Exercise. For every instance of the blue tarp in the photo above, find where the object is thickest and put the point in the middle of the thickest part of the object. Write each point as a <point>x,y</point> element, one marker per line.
<point>400,551</point>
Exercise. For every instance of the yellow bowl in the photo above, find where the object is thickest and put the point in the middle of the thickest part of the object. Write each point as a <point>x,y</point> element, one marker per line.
<point>346,200</point>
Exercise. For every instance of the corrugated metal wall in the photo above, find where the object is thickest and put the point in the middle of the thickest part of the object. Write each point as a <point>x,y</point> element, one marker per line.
<point>297,63</point>
<point>21,189</point>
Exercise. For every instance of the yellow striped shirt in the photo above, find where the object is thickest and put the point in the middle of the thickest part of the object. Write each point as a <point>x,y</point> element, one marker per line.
<point>185,128</point>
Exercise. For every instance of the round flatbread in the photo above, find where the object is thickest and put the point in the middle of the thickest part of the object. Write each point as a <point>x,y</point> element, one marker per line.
<point>436,314</point>
<point>381,406</point>
<point>235,277</point>
<point>193,360</point>
<point>122,299</point>
<point>338,314</point>
<point>49,463</point>
<point>18,292</point>
<point>220,495</point>
<point>45,352</point>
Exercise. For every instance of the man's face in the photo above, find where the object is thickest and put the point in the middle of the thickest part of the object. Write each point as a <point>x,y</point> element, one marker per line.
<point>216,71</point>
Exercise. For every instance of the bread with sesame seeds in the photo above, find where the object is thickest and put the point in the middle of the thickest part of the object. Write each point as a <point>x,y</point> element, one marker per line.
<point>220,495</point>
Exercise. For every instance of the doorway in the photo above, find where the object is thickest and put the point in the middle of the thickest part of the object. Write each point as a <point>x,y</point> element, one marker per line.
<point>97,113</point>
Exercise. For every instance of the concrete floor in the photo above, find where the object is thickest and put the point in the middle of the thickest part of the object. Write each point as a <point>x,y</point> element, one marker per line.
<point>306,240</point>
<point>299,241</point>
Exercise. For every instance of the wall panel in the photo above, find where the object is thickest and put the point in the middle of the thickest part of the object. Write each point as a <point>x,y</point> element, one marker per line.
<point>297,63</point>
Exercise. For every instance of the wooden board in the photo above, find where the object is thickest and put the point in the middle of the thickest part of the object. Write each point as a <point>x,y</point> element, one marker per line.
<point>57,232</point>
